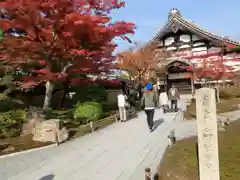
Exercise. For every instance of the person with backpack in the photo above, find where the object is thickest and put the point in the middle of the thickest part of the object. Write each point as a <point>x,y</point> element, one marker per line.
<point>149,103</point>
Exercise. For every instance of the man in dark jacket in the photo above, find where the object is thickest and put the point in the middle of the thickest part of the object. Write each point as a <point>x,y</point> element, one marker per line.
<point>149,103</point>
<point>132,98</point>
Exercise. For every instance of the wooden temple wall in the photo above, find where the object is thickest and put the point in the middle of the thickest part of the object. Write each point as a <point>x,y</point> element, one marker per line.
<point>199,58</point>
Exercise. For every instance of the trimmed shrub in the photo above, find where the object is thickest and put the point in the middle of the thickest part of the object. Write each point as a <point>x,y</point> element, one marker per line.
<point>89,111</point>
<point>19,115</point>
<point>11,123</point>
<point>10,132</point>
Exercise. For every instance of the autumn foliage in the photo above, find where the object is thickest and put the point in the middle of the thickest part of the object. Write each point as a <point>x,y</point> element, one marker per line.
<point>60,34</point>
<point>61,39</point>
<point>210,68</point>
<point>139,60</point>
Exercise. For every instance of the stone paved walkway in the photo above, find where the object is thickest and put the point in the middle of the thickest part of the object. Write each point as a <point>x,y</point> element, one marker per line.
<point>119,152</point>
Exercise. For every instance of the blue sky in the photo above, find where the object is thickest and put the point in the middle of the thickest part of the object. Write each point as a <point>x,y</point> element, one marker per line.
<point>218,16</point>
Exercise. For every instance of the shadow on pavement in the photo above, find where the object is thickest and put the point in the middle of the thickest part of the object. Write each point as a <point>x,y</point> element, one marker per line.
<point>157,123</point>
<point>48,177</point>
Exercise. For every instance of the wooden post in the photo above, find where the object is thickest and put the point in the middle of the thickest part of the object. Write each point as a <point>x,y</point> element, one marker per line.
<point>116,118</point>
<point>56,132</point>
<point>156,177</point>
<point>171,138</point>
<point>207,134</point>
<point>147,174</point>
<point>91,126</point>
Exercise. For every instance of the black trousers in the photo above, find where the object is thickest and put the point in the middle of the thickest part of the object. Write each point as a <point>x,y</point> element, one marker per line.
<point>150,115</point>
<point>132,107</point>
<point>133,110</point>
<point>175,104</point>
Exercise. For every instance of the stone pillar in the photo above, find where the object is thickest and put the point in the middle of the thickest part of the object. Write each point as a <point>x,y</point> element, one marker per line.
<point>207,134</point>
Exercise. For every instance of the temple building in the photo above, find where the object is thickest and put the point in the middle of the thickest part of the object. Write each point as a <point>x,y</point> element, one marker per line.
<point>190,45</point>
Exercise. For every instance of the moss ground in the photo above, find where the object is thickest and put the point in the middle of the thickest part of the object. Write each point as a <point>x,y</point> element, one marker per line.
<point>180,161</point>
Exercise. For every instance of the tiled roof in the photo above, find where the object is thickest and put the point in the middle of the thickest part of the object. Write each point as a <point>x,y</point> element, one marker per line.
<point>175,17</point>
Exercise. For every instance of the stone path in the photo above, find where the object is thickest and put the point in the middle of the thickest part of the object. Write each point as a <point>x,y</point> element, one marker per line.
<point>119,152</point>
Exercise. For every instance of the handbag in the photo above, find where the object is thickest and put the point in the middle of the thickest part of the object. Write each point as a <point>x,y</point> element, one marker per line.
<point>127,105</point>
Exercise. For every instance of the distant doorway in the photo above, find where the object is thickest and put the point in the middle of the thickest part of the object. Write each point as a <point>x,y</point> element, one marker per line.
<point>179,76</point>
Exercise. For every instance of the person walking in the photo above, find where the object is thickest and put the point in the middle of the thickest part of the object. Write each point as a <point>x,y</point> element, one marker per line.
<point>163,100</point>
<point>174,96</point>
<point>122,107</point>
<point>132,98</point>
<point>149,103</point>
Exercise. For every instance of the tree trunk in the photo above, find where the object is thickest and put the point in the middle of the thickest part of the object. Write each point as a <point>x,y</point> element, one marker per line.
<point>139,77</point>
<point>48,95</point>
<point>28,99</point>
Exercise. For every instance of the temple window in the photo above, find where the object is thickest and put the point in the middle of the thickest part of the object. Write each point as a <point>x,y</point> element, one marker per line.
<point>195,37</point>
<point>171,48</point>
<point>198,44</point>
<point>184,46</point>
<point>169,41</point>
<point>214,49</point>
<point>184,38</point>
<point>199,49</point>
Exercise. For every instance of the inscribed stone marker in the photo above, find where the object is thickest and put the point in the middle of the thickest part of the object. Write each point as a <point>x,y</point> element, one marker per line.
<point>207,134</point>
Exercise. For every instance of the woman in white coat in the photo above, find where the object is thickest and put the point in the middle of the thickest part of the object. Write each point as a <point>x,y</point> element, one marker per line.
<point>163,101</point>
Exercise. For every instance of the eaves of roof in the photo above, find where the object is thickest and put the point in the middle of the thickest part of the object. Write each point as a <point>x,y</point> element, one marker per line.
<point>193,28</point>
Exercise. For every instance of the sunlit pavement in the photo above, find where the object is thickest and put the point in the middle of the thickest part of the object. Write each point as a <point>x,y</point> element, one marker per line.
<point>121,151</point>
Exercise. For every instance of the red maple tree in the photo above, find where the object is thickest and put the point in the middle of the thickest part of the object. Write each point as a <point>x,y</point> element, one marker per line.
<point>208,68</point>
<point>60,39</point>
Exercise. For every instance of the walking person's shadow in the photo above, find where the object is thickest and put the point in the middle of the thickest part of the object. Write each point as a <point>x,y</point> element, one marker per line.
<point>157,123</point>
<point>48,177</point>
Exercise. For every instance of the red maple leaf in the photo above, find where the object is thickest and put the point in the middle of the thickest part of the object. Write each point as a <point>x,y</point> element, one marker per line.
<point>29,84</point>
<point>42,62</point>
